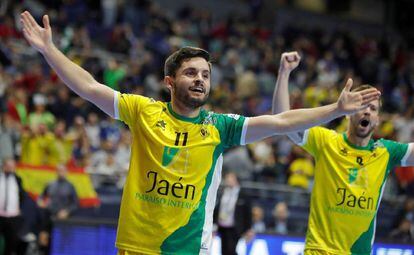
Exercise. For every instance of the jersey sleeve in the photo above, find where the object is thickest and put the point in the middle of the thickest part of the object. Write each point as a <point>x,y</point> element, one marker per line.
<point>399,152</point>
<point>314,139</point>
<point>127,107</point>
<point>232,129</point>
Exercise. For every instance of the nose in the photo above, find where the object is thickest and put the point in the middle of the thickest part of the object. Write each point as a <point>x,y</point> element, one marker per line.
<point>367,111</point>
<point>199,79</point>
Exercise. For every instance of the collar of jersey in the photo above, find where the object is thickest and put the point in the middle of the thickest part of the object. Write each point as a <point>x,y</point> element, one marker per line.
<point>368,147</point>
<point>183,118</point>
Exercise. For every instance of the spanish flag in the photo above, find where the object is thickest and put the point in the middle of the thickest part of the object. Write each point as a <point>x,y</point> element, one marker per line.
<point>35,179</point>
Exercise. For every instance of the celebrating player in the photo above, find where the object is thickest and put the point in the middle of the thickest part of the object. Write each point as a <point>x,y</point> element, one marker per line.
<point>350,173</point>
<point>176,156</point>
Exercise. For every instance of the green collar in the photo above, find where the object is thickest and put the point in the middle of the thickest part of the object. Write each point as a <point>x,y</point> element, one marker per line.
<point>183,118</point>
<point>368,147</point>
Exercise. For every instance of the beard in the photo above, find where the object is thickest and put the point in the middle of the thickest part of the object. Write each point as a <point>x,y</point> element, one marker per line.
<point>183,95</point>
<point>363,134</point>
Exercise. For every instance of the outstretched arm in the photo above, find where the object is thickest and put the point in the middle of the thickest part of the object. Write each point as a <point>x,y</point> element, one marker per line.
<point>75,77</point>
<point>298,120</point>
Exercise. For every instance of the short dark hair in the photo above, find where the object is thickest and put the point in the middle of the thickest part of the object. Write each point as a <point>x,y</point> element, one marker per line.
<point>364,87</point>
<point>174,61</point>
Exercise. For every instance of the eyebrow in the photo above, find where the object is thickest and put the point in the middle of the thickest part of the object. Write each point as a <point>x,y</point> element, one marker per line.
<point>194,68</point>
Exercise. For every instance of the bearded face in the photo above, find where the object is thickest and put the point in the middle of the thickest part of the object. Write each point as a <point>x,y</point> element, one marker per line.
<point>364,122</point>
<point>191,84</point>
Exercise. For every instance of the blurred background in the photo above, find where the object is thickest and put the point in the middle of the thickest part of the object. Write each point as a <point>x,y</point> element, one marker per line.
<point>56,137</point>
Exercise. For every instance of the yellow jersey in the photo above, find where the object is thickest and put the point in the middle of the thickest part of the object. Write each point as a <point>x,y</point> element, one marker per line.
<point>175,170</point>
<point>348,185</point>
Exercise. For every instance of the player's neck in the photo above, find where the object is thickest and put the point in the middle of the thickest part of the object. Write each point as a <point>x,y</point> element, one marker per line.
<point>358,141</point>
<point>183,110</point>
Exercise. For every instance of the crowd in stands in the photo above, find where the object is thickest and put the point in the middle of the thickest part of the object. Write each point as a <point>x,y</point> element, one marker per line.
<point>123,44</point>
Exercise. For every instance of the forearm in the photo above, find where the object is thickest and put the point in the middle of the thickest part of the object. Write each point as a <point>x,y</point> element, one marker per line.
<point>289,122</point>
<point>281,102</point>
<point>302,119</point>
<point>75,77</point>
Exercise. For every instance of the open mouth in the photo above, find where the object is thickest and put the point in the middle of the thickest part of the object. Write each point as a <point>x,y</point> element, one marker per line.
<point>197,89</point>
<point>364,123</point>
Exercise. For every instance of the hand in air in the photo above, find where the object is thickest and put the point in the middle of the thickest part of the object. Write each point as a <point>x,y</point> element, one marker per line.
<point>38,37</point>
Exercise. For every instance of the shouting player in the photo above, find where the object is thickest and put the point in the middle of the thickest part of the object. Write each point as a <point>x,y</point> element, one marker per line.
<point>350,173</point>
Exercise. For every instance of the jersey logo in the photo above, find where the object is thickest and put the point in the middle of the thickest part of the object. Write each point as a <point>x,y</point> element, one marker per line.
<point>204,132</point>
<point>358,177</point>
<point>161,124</point>
<point>359,161</point>
<point>234,116</point>
<point>168,155</point>
<point>210,119</point>
<point>344,152</point>
<point>176,160</point>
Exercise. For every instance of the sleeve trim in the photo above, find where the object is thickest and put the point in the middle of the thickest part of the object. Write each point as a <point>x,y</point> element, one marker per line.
<point>304,138</point>
<point>244,131</point>
<point>407,154</point>
<point>116,110</point>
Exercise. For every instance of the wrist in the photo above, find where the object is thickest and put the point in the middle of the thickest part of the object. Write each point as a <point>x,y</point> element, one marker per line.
<point>48,49</point>
<point>337,110</point>
<point>284,71</point>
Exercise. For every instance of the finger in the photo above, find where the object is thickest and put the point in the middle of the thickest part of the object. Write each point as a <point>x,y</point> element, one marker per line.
<point>26,22</point>
<point>32,21</point>
<point>348,85</point>
<point>46,23</point>
<point>372,94</point>
<point>291,57</point>
<point>369,99</point>
<point>26,33</point>
<point>297,56</point>
<point>368,91</point>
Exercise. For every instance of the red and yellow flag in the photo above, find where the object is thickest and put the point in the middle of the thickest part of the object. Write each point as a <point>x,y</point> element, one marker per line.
<point>35,179</point>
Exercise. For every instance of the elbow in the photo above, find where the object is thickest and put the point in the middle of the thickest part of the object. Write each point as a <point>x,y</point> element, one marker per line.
<point>281,125</point>
<point>91,91</point>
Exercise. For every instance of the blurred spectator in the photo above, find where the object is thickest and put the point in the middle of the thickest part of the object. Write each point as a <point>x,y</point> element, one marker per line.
<point>62,146</point>
<point>11,198</point>
<point>113,74</point>
<point>17,106</point>
<point>40,115</point>
<point>405,177</point>
<point>258,225</point>
<point>6,139</point>
<point>36,145</point>
<point>404,232</point>
<point>122,155</point>
<point>280,224</point>
<point>58,200</point>
<point>110,130</point>
<point>103,165</point>
<point>81,146</point>
<point>59,196</point>
<point>62,107</point>
<point>239,158</point>
<point>301,169</point>
<point>93,130</point>
<point>232,214</point>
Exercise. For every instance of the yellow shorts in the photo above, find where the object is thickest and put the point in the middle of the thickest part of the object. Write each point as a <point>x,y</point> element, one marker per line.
<point>124,252</point>
<point>317,252</point>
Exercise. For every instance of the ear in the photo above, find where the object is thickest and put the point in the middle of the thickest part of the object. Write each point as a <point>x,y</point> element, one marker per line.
<point>169,81</point>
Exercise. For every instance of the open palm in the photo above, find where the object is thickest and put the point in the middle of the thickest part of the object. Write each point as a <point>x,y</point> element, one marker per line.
<point>350,102</point>
<point>39,37</point>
